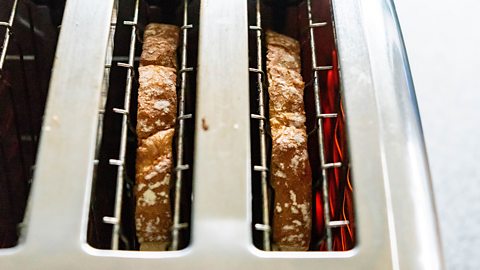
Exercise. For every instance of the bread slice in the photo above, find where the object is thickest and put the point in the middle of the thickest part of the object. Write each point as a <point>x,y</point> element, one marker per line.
<point>290,174</point>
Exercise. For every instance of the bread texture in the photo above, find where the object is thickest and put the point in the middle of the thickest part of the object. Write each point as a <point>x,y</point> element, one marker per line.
<point>160,42</point>
<point>290,169</point>
<point>156,116</point>
<point>153,210</point>
<point>157,100</point>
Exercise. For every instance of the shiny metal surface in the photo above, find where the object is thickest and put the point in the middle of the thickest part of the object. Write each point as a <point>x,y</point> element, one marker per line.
<point>396,219</point>
<point>407,178</point>
<point>444,94</point>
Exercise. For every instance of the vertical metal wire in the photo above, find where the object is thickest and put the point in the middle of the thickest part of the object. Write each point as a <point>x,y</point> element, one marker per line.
<point>177,225</point>
<point>329,224</point>
<point>120,162</point>
<point>8,32</point>
<point>318,110</point>
<point>263,169</point>
<point>103,100</point>
<point>106,76</point>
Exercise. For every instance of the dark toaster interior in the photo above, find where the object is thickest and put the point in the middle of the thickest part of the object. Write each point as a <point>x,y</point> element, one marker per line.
<point>24,80</point>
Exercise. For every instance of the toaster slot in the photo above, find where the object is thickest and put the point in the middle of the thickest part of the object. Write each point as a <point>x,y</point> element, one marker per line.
<point>332,211</point>
<point>112,208</point>
<point>28,37</point>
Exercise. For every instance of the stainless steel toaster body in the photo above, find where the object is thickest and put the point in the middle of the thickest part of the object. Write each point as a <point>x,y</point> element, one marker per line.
<point>395,215</point>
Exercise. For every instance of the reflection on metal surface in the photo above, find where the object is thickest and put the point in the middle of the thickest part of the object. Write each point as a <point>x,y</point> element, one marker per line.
<point>388,162</point>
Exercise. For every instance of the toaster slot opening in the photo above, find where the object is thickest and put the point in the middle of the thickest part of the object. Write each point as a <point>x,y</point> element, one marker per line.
<point>112,218</point>
<point>28,38</point>
<point>331,213</point>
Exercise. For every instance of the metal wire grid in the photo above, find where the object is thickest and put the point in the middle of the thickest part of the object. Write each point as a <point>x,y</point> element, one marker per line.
<point>263,167</point>
<point>115,220</point>
<point>8,31</point>
<point>325,165</point>
<point>106,76</point>
<point>265,227</point>
<point>180,168</point>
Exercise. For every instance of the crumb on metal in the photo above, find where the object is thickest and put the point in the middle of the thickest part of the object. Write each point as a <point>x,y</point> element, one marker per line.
<point>204,124</point>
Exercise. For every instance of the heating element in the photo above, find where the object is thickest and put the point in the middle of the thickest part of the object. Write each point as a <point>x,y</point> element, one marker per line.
<point>372,205</point>
<point>332,188</point>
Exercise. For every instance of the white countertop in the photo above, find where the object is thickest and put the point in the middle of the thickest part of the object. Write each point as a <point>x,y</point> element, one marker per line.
<point>443,44</point>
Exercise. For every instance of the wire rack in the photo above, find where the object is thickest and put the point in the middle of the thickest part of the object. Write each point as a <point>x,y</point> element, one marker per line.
<point>120,162</point>
<point>261,117</point>
<point>182,116</point>
<point>115,220</point>
<point>325,165</point>
<point>6,39</point>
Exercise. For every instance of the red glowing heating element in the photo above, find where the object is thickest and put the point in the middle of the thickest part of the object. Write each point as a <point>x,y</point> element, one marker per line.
<point>339,185</point>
